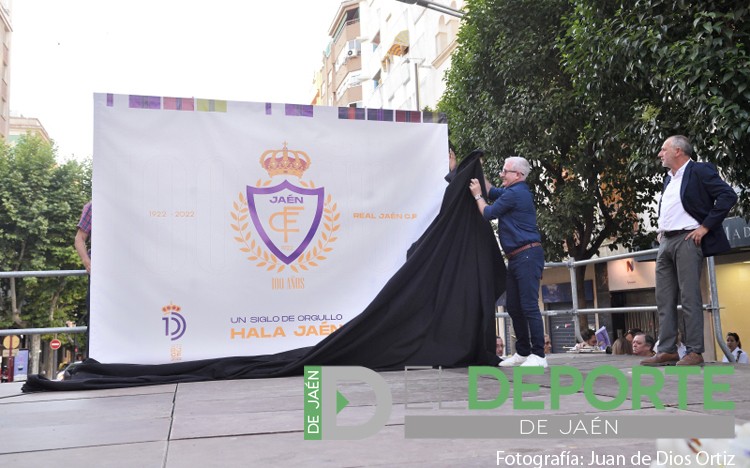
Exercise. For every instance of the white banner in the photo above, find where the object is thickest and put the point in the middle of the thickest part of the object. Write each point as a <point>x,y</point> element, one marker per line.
<point>227,228</point>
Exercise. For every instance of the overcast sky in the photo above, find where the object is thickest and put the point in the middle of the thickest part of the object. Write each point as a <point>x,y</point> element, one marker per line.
<point>64,51</point>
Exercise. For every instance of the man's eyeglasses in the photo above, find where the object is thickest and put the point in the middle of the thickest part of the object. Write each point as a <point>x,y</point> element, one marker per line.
<point>505,171</point>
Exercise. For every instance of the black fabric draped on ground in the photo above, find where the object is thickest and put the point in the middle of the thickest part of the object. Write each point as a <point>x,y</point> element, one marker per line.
<point>437,310</point>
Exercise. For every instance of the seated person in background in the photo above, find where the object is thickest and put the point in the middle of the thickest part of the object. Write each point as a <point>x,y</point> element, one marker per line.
<point>547,345</point>
<point>622,346</point>
<point>735,346</point>
<point>643,345</point>
<point>631,333</point>
<point>589,340</point>
<point>499,347</point>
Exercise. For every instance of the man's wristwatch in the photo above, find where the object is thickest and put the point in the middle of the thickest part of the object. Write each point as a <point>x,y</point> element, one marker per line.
<point>477,197</point>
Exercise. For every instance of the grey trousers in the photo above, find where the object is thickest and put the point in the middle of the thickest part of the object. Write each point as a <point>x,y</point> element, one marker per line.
<point>679,264</point>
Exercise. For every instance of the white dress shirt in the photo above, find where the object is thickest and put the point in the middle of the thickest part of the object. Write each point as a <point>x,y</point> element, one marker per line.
<point>672,215</point>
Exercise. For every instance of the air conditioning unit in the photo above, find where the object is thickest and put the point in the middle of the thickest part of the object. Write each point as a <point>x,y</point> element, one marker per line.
<point>353,48</point>
<point>354,80</point>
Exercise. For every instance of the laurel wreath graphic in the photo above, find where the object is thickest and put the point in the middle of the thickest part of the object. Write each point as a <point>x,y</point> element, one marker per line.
<point>265,259</point>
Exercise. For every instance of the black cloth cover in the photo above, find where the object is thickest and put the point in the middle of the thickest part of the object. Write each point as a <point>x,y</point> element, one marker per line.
<point>437,310</point>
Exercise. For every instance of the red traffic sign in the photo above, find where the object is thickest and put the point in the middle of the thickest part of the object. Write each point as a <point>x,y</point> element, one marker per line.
<point>55,344</point>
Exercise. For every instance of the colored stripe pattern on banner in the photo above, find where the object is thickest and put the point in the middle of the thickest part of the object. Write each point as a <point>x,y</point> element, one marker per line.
<point>293,110</point>
<point>211,105</point>
<point>175,103</point>
<point>384,115</point>
<point>298,110</point>
<point>434,117</point>
<point>352,113</point>
<point>144,102</point>
<point>408,116</point>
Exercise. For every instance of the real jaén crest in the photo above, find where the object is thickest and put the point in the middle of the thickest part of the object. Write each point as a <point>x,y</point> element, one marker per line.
<point>295,225</point>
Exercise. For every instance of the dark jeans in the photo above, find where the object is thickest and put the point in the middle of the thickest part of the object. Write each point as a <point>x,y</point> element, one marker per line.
<point>522,300</point>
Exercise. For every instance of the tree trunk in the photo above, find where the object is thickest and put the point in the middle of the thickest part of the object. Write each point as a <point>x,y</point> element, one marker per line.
<point>55,299</point>
<point>15,313</point>
<point>14,310</point>
<point>36,349</point>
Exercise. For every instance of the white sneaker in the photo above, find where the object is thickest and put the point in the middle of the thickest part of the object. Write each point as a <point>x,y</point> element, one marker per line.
<point>513,361</point>
<point>535,361</point>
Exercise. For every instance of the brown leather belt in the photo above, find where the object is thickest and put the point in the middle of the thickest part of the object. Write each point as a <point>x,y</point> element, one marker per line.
<point>676,233</point>
<point>522,248</point>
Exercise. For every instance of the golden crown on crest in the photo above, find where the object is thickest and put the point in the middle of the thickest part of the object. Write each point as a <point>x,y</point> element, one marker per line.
<point>285,161</point>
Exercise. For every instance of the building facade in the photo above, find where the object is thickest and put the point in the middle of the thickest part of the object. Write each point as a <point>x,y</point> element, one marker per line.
<point>386,54</point>
<point>19,126</point>
<point>5,36</point>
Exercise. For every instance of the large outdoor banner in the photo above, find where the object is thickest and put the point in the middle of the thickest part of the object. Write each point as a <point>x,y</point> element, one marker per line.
<point>225,228</point>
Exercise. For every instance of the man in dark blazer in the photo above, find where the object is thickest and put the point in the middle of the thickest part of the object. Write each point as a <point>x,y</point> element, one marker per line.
<point>694,202</point>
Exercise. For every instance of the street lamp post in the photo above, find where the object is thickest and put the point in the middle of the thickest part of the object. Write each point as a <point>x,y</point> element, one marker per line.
<point>435,6</point>
<point>439,7</point>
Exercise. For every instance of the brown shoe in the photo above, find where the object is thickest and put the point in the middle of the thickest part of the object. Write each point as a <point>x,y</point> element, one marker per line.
<point>662,359</point>
<point>691,359</point>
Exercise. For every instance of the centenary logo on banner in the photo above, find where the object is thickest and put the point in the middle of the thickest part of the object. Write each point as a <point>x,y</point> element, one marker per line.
<point>286,217</point>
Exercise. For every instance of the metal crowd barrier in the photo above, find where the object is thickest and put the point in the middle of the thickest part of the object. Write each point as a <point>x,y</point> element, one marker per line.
<point>42,274</point>
<point>34,356</point>
<point>575,311</point>
<point>571,264</point>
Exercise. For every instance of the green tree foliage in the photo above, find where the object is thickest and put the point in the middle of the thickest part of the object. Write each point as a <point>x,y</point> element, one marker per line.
<point>509,92</point>
<point>588,91</point>
<point>672,67</point>
<point>40,203</point>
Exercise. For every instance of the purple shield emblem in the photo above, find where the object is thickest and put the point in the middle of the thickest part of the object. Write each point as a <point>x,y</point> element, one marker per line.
<point>286,217</point>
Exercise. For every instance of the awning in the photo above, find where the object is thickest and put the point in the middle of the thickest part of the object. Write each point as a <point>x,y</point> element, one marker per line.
<point>400,43</point>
